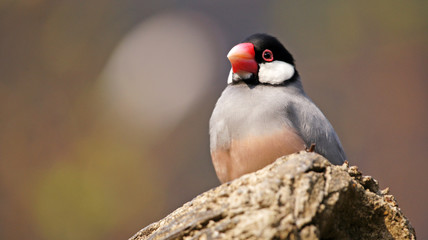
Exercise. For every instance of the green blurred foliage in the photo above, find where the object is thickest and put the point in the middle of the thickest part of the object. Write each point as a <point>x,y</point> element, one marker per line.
<point>94,190</point>
<point>345,27</point>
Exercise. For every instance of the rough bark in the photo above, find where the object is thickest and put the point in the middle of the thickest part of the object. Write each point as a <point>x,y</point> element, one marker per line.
<point>300,196</point>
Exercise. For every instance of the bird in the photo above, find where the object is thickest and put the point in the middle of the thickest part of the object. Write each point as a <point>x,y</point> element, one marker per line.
<point>264,112</point>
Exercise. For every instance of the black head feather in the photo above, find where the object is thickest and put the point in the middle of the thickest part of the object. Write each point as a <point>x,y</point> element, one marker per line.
<point>263,41</point>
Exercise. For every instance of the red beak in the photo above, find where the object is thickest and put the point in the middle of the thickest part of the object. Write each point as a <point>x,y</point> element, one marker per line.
<point>242,58</point>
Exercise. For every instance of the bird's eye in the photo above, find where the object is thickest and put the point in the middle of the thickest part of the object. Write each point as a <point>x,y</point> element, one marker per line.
<point>267,55</point>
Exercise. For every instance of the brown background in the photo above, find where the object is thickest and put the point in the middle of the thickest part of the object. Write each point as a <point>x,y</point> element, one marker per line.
<point>104,105</point>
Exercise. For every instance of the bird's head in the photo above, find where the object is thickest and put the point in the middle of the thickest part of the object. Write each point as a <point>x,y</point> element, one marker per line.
<point>261,59</point>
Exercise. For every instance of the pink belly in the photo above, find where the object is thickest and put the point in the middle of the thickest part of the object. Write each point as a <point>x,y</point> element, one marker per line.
<point>253,153</point>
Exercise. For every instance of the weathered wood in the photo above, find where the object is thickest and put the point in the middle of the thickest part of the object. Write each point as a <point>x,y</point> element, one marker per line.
<point>299,196</point>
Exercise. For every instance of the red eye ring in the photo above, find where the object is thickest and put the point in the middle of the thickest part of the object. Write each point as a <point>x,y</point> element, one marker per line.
<point>267,55</point>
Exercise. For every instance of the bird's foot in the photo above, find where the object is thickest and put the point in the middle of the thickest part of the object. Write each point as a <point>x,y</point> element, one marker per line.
<point>311,148</point>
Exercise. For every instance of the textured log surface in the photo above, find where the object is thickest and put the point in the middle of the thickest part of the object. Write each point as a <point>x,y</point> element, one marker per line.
<point>299,196</point>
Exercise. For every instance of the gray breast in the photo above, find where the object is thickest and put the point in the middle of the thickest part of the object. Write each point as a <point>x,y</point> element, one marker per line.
<point>243,111</point>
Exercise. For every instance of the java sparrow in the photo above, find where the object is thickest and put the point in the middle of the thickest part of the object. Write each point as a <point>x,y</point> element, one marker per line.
<point>264,112</point>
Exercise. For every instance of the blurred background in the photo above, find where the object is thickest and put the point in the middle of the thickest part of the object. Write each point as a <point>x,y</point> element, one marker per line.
<point>104,105</point>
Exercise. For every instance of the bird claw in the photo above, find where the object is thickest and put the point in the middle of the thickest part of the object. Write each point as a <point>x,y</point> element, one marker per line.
<point>311,148</point>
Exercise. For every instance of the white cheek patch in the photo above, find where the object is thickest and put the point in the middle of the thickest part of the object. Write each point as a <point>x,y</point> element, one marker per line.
<point>275,72</point>
<point>230,77</point>
<point>236,77</point>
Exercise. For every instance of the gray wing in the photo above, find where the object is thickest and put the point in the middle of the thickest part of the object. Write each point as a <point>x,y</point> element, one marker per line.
<point>314,128</point>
